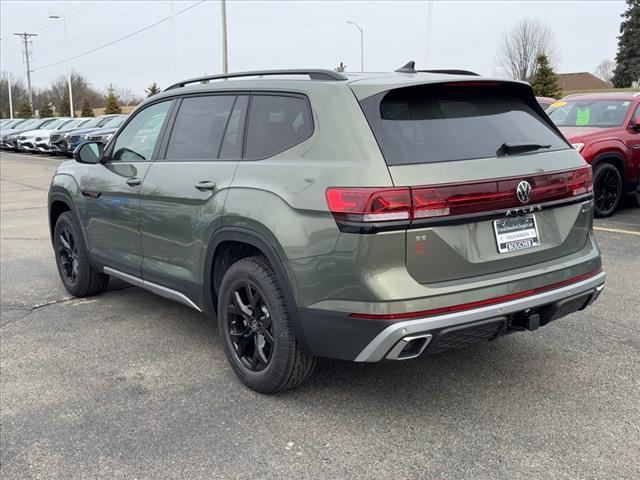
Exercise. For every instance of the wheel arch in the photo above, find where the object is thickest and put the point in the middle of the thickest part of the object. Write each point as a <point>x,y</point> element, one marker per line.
<point>251,243</point>
<point>614,158</point>
<point>59,202</point>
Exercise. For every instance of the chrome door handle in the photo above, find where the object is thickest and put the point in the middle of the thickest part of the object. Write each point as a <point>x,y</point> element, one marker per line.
<point>134,181</point>
<point>206,185</point>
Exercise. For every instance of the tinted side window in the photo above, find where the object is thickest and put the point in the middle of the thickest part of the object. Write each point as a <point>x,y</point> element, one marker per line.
<point>276,123</point>
<point>135,143</point>
<point>636,114</point>
<point>199,127</point>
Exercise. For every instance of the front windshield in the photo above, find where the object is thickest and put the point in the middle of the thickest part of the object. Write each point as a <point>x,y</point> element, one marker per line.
<point>74,123</point>
<point>103,121</point>
<point>115,122</point>
<point>51,124</point>
<point>94,122</point>
<point>28,124</point>
<point>589,113</point>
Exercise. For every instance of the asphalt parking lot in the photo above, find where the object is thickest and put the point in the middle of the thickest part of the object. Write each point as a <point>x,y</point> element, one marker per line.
<point>130,385</point>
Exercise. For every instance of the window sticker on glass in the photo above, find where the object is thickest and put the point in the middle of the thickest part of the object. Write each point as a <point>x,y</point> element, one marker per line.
<point>558,104</point>
<point>583,115</point>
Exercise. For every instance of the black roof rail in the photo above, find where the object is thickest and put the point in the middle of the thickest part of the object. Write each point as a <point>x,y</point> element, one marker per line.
<point>451,72</point>
<point>317,74</point>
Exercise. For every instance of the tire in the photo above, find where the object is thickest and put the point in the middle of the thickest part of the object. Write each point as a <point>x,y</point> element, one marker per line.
<point>72,258</point>
<point>607,189</point>
<point>260,344</point>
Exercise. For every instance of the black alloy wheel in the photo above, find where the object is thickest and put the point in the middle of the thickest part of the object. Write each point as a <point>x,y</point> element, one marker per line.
<point>607,189</point>
<point>250,327</point>
<point>68,255</point>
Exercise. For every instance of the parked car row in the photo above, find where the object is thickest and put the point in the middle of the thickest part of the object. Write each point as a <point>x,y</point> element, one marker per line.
<point>56,135</point>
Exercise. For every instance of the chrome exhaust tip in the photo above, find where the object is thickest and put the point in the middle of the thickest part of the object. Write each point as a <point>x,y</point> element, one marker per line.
<point>409,347</point>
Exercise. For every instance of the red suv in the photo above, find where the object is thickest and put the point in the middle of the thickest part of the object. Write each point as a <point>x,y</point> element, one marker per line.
<point>605,129</point>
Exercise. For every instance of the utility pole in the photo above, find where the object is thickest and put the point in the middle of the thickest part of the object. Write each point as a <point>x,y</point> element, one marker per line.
<point>25,38</point>
<point>225,61</point>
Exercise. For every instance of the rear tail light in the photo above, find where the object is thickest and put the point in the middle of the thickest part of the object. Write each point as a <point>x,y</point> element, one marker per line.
<point>370,204</point>
<point>397,207</point>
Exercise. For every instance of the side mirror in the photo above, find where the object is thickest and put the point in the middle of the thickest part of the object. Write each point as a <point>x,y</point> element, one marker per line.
<point>89,152</point>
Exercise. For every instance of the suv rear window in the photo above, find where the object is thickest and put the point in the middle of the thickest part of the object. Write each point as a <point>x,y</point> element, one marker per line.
<point>438,123</point>
<point>276,123</point>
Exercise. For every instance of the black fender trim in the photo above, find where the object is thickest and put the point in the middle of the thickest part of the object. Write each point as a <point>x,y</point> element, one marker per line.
<point>58,194</point>
<point>275,258</point>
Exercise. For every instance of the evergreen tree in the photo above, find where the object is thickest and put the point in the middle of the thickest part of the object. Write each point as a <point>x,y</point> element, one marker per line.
<point>64,108</point>
<point>87,111</point>
<point>545,81</point>
<point>47,108</point>
<point>25,110</point>
<point>627,70</point>
<point>113,105</point>
<point>152,90</point>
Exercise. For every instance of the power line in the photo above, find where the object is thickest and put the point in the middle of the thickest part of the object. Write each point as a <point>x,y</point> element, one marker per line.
<point>100,27</point>
<point>119,39</point>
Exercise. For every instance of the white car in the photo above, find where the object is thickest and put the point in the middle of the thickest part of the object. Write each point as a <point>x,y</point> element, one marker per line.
<point>38,140</point>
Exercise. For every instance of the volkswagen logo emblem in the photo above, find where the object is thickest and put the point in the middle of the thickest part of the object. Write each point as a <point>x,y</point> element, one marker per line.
<point>523,191</point>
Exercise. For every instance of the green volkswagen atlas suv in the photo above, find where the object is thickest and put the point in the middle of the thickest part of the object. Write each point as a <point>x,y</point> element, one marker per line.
<point>361,217</point>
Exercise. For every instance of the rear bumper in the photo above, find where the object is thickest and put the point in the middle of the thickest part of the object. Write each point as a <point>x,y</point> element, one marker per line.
<point>336,335</point>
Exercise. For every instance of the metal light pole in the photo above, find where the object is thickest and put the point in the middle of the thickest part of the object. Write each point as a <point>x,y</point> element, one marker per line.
<point>10,98</point>
<point>225,60</point>
<point>427,55</point>
<point>9,88</point>
<point>361,43</point>
<point>174,43</point>
<point>66,38</point>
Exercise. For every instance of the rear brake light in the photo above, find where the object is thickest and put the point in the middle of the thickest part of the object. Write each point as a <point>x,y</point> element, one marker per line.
<point>377,205</point>
<point>370,204</point>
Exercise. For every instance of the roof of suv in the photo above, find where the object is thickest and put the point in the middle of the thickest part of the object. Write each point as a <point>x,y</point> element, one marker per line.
<point>366,83</point>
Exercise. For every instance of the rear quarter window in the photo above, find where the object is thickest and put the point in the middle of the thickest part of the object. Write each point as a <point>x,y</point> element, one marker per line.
<point>438,123</point>
<point>276,123</point>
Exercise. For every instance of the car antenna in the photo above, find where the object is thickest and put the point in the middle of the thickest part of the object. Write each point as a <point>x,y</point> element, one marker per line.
<point>409,67</point>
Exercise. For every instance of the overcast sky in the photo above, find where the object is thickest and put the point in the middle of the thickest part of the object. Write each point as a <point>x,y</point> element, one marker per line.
<point>289,34</point>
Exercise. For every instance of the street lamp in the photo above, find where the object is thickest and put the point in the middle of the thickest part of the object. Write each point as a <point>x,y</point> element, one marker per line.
<point>66,38</point>
<point>361,43</point>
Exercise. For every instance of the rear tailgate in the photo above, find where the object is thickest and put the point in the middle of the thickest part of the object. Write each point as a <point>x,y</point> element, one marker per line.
<point>444,142</point>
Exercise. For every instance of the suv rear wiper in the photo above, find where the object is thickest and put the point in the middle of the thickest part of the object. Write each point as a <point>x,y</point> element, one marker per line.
<point>508,148</point>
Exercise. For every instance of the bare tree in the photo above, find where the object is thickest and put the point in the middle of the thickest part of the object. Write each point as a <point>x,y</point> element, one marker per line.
<point>522,45</point>
<point>126,96</point>
<point>605,70</point>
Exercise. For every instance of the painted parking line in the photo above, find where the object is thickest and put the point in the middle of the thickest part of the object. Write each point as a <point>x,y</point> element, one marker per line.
<point>616,230</point>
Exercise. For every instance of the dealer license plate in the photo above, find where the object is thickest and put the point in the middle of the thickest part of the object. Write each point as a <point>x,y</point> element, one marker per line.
<point>517,233</point>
